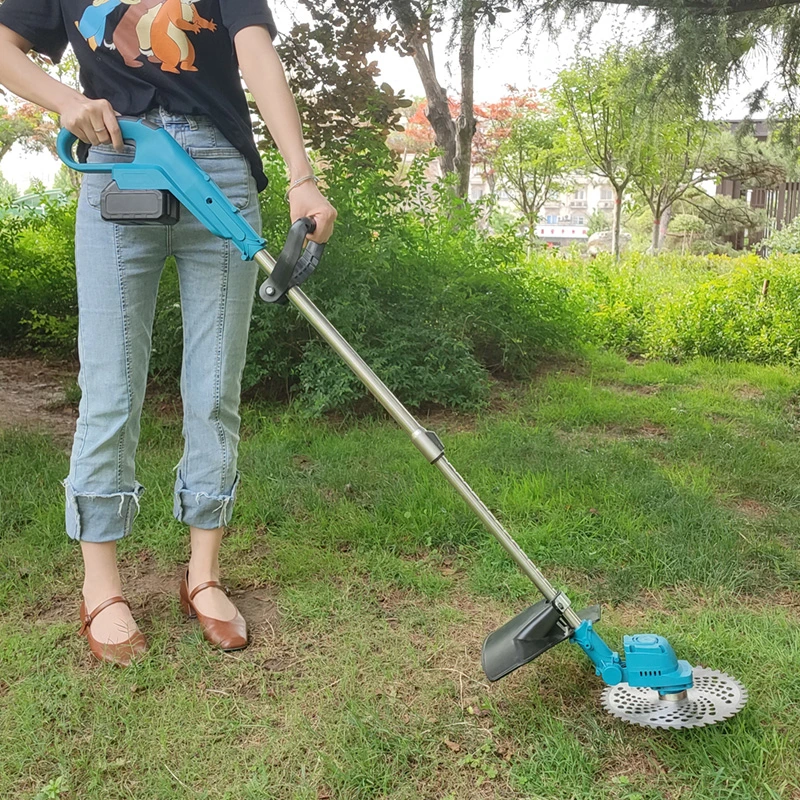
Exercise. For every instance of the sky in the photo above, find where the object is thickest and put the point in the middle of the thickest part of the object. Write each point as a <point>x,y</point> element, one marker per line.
<point>502,61</point>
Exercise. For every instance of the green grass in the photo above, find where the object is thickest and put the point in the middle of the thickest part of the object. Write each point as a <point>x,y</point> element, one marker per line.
<point>668,493</point>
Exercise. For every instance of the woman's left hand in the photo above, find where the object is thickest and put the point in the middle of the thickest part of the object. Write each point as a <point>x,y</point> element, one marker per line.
<point>306,200</point>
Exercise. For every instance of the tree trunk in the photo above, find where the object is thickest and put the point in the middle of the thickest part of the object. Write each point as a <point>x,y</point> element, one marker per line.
<point>466,119</point>
<point>532,220</point>
<point>453,138</point>
<point>616,245</point>
<point>444,128</point>
<point>666,216</point>
<point>655,242</point>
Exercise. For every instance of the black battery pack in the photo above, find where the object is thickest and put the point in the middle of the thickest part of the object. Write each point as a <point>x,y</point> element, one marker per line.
<point>139,206</point>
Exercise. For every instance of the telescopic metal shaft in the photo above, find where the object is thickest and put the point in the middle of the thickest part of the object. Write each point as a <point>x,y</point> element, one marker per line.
<point>420,436</point>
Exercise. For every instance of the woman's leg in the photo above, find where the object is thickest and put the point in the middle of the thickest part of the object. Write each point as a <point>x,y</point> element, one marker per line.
<point>118,270</point>
<point>217,290</point>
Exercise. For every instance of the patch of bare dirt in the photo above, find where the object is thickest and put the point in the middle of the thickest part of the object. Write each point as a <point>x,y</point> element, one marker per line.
<point>259,608</point>
<point>749,393</point>
<point>647,430</point>
<point>752,508</point>
<point>647,390</point>
<point>151,590</point>
<point>33,396</point>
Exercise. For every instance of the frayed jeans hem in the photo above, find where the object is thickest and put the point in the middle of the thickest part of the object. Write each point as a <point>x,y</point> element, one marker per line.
<point>204,510</point>
<point>98,517</point>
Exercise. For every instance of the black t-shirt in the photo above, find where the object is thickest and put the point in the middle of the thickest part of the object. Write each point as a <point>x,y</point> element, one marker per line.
<point>141,54</point>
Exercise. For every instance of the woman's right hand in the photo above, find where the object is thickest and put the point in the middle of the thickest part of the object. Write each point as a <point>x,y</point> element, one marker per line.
<point>92,121</point>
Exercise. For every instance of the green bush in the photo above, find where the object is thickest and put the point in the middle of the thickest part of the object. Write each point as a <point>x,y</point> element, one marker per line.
<point>677,307</point>
<point>38,302</point>
<point>429,300</point>
<point>786,240</point>
<point>433,303</point>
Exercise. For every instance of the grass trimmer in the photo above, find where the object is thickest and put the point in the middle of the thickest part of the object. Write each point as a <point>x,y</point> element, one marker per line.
<point>648,685</point>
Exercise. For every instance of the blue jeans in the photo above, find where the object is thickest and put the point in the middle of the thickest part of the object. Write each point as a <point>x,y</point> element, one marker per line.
<point>118,271</point>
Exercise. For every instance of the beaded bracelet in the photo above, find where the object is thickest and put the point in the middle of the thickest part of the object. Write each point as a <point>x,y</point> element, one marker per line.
<point>298,182</point>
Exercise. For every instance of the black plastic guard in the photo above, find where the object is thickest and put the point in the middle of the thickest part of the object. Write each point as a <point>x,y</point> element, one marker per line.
<point>524,638</point>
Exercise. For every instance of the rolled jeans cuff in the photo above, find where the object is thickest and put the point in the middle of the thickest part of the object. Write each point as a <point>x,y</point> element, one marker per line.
<point>96,517</point>
<point>204,510</point>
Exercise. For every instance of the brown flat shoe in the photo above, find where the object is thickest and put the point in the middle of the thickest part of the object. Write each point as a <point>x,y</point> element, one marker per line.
<point>228,635</point>
<point>121,653</point>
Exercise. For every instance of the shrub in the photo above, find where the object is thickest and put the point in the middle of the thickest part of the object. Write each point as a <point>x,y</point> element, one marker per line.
<point>786,240</point>
<point>433,302</point>
<point>677,307</point>
<point>38,302</point>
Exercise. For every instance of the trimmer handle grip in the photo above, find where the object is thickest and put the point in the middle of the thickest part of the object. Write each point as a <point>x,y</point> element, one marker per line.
<point>295,264</point>
<point>159,162</point>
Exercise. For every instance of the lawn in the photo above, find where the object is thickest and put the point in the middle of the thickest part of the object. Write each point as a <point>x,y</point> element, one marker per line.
<point>670,494</point>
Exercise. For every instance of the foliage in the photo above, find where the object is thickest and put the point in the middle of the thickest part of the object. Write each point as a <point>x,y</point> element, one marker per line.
<point>786,240</point>
<point>680,307</point>
<point>417,134</point>
<point>28,125</point>
<point>37,278</point>
<point>726,219</point>
<point>8,191</point>
<point>333,74</point>
<point>494,125</point>
<point>531,163</point>
<point>688,227</point>
<point>598,221</point>
<point>425,296</point>
<point>606,104</point>
<point>434,303</point>
<point>676,155</point>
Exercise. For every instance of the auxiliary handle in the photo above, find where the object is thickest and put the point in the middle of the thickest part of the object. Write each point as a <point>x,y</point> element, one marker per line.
<point>294,265</point>
<point>161,163</point>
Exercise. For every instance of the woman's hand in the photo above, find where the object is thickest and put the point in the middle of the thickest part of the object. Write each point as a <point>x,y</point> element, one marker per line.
<point>92,121</point>
<point>306,200</point>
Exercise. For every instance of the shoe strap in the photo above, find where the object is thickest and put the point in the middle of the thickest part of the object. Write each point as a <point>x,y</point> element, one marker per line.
<point>207,585</point>
<point>89,618</point>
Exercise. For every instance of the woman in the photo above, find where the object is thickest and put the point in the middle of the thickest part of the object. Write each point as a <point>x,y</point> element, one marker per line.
<point>175,63</point>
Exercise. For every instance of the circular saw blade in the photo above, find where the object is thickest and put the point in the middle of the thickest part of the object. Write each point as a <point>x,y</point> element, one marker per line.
<point>714,697</point>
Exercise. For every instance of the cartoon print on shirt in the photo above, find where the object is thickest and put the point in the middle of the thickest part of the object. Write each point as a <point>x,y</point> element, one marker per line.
<point>157,29</point>
<point>92,24</point>
<point>168,39</point>
<point>132,34</point>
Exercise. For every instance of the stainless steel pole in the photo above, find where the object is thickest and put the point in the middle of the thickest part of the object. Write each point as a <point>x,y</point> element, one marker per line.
<point>425,441</point>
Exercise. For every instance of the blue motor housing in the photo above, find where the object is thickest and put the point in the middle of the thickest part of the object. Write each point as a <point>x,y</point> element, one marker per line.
<point>650,661</point>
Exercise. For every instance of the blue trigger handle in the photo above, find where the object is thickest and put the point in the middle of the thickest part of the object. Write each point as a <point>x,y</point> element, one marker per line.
<point>161,163</point>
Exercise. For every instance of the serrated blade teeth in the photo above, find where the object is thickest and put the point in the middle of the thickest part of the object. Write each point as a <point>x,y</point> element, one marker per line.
<point>714,697</point>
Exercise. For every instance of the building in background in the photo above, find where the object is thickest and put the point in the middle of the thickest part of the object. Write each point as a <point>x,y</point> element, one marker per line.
<point>565,216</point>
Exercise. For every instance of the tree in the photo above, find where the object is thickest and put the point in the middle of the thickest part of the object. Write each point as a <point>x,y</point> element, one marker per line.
<point>494,122</point>
<point>725,219</point>
<point>29,126</point>
<point>688,227</point>
<point>333,75</point>
<point>676,155</point>
<point>708,38</point>
<point>605,106</point>
<point>530,163</point>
